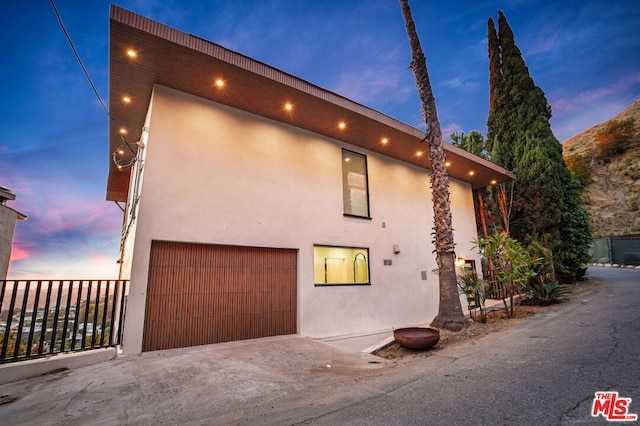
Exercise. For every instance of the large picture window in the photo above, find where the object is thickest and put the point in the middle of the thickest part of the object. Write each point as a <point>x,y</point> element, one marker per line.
<point>340,265</point>
<point>355,191</point>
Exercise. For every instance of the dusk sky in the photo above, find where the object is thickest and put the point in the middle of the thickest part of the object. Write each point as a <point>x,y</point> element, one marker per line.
<point>54,154</point>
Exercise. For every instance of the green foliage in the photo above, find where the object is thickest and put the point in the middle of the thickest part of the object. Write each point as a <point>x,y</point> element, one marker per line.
<point>473,142</point>
<point>576,234</point>
<point>614,139</point>
<point>474,289</point>
<point>544,293</point>
<point>543,264</point>
<point>520,138</point>
<point>514,265</point>
<point>538,201</point>
<point>542,288</point>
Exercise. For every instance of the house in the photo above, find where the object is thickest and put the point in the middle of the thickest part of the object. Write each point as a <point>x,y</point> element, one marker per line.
<point>259,204</point>
<point>8,220</point>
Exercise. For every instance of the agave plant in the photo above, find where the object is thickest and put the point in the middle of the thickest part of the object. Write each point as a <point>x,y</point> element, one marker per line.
<point>545,293</point>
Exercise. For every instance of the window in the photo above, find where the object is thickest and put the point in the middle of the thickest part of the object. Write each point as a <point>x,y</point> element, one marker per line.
<point>355,191</point>
<point>340,265</point>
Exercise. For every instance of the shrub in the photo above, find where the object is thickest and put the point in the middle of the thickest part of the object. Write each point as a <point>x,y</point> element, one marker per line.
<point>544,293</point>
<point>579,166</point>
<point>474,289</point>
<point>614,138</point>
<point>514,265</point>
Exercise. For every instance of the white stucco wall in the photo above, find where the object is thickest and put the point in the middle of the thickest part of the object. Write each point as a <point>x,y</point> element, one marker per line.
<point>217,175</point>
<point>8,219</point>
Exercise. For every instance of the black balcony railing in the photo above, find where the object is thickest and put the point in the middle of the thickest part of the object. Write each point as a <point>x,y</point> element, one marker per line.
<point>44,317</point>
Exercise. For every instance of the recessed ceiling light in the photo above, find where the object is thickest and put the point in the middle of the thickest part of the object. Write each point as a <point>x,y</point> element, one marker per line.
<point>447,164</point>
<point>123,131</point>
<point>342,125</point>
<point>288,106</point>
<point>126,99</point>
<point>384,140</point>
<point>471,173</point>
<point>419,153</point>
<point>493,182</point>
<point>219,82</point>
<point>132,53</point>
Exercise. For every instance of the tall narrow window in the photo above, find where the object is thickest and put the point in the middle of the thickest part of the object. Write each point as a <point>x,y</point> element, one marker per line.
<point>355,190</point>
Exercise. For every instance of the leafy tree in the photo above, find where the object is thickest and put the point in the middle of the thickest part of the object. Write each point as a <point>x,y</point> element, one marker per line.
<point>514,266</point>
<point>450,314</point>
<point>520,139</point>
<point>492,204</point>
<point>473,142</point>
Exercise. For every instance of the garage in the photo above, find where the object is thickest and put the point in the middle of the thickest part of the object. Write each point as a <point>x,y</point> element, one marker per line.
<point>199,294</point>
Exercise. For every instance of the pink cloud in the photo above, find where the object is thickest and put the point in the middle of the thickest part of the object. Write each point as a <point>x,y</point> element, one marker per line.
<point>18,252</point>
<point>102,262</point>
<point>571,104</point>
<point>67,234</point>
<point>52,210</point>
<point>78,212</point>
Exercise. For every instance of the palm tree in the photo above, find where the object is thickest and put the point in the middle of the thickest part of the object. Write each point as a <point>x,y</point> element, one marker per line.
<point>450,314</point>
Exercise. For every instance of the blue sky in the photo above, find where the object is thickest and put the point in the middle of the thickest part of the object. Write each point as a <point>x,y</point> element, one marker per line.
<point>53,145</point>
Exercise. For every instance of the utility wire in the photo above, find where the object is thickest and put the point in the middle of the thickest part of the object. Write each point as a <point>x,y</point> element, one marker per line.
<point>86,73</point>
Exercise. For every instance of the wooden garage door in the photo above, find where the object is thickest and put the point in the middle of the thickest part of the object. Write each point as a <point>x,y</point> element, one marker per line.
<point>199,294</point>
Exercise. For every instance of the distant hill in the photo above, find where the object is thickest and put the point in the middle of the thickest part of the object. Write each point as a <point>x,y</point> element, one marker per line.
<point>606,158</point>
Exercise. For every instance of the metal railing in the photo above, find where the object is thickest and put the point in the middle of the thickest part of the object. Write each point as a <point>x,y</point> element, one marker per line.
<point>45,317</point>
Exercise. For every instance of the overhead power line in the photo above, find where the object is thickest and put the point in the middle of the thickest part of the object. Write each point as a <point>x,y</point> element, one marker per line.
<point>86,73</point>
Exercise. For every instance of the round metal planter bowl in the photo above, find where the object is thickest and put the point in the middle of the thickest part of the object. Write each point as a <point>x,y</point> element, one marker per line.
<point>416,337</point>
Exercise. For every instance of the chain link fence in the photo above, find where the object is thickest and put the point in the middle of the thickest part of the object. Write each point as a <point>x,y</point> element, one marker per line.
<point>619,250</point>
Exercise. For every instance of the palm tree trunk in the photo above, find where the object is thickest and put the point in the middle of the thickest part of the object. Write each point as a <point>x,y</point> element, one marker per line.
<point>450,314</point>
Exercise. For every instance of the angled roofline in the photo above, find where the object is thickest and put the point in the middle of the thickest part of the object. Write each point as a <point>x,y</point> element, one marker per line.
<point>191,64</point>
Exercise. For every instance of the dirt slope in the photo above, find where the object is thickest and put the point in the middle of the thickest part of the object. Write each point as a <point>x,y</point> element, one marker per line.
<point>614,191</point>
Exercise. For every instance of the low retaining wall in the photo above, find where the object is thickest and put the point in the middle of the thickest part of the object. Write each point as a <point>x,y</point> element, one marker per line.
<point>16,371</point>
<point>615,265</point>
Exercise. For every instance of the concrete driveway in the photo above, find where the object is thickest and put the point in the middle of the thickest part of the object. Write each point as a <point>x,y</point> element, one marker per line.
<point>289,379</point>
<point>214,384</point>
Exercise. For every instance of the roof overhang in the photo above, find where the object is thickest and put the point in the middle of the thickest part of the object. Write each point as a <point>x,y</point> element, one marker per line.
<point>191,64</point>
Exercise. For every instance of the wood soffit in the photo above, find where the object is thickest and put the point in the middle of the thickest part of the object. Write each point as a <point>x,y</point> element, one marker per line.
<point>190,64</point>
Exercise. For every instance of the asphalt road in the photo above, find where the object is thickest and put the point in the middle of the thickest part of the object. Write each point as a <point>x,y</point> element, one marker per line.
<point>543,371</point>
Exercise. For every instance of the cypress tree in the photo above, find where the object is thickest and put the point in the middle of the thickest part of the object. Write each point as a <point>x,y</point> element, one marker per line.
<point>497,124</point>
<point>520,139</point>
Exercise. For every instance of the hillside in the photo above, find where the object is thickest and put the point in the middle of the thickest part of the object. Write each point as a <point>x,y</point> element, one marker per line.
<point>611,176</point>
